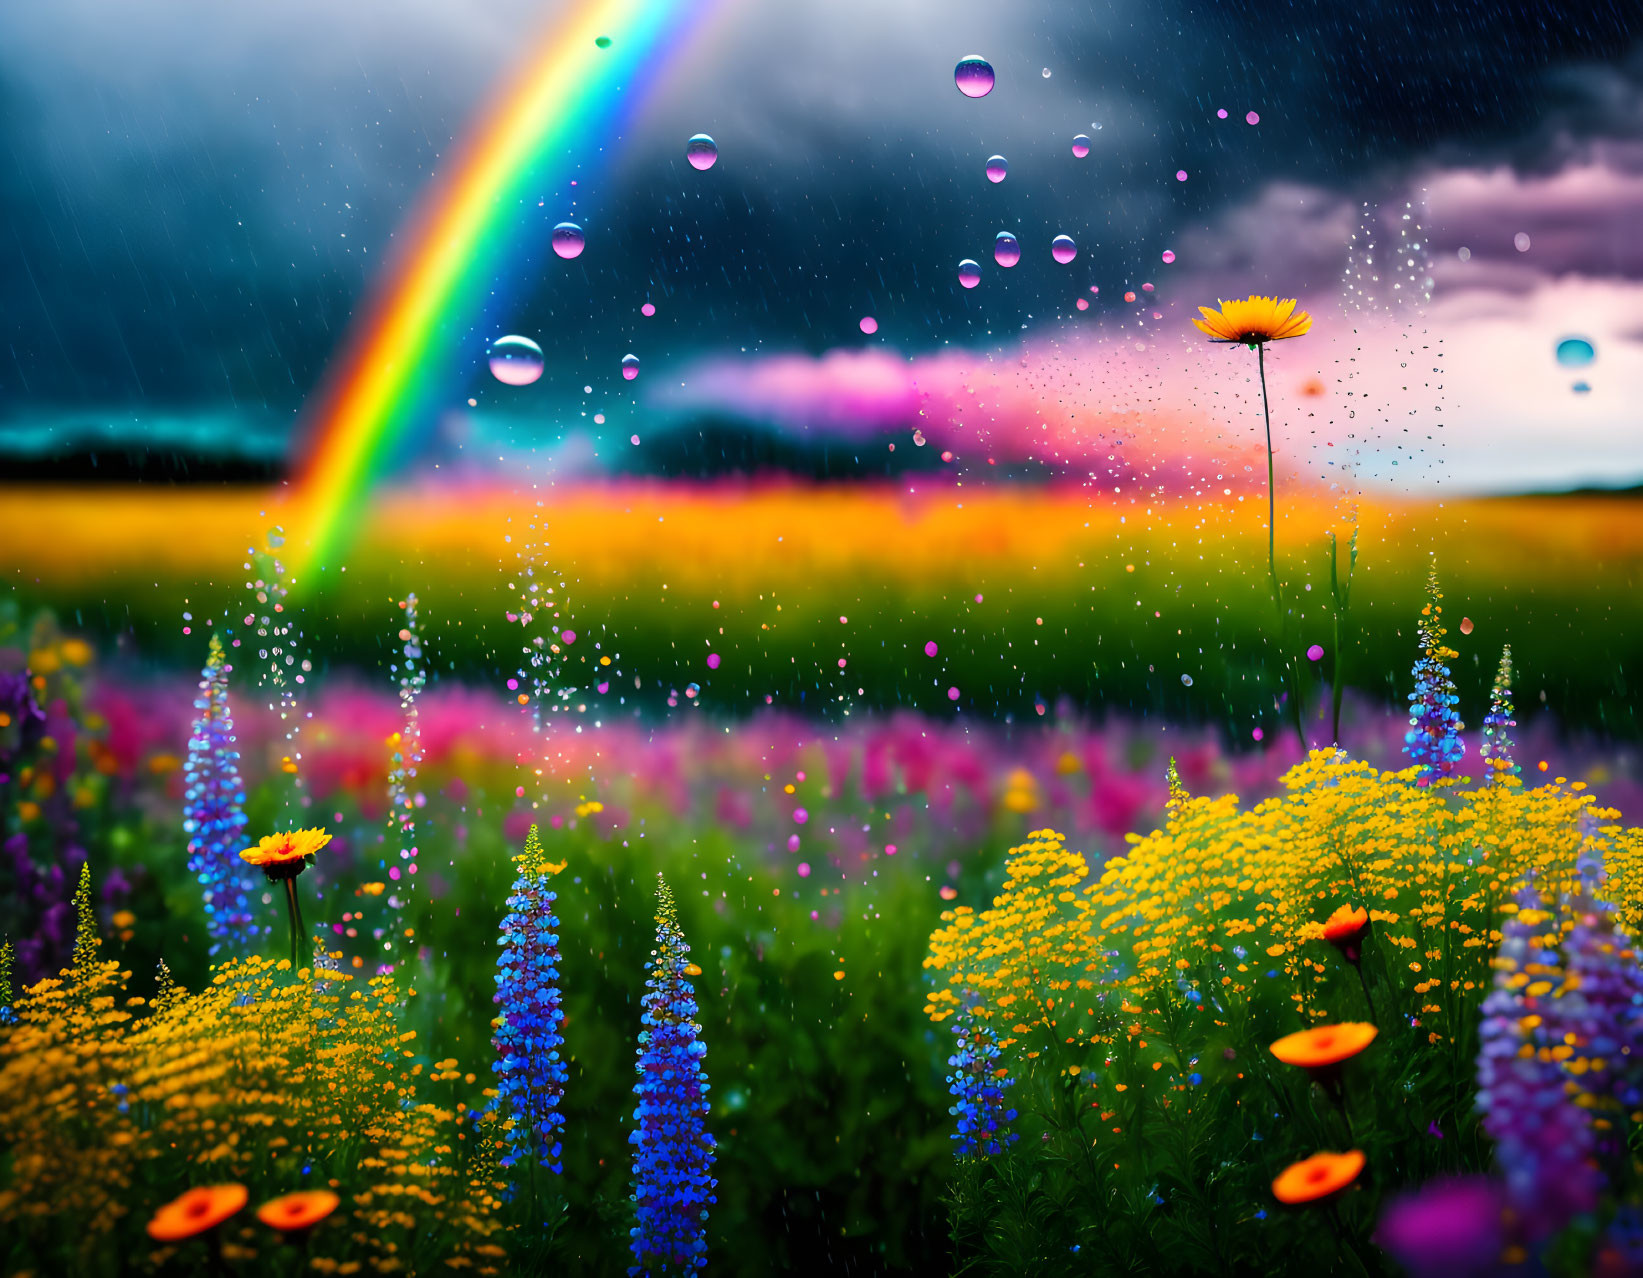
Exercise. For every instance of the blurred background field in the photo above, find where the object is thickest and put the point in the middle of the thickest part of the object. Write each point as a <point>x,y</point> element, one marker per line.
<point>1032,595</point>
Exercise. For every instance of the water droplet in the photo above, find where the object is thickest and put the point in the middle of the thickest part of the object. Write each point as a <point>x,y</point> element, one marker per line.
<point>647,309</point>
<point>869,325</point>
<point>602,41</point>
<point>1186,681</point>
<point>998,168</point>
<point>515,360</point>
<point>1252,118</point>
<point>930,648</point>
<point>1315,653</point>
<point>1062,249</point>
<point>1575,352</point>
<point>568,240</point>
<point>1466,626</point>
<point>630,367</point>
<point>1520,241</point>
<point>702,152</point>
<point>1081,145</point>
<point>974,76</point>
<point>969,273</point>
<point>1083,304</point>
<point>918,438</point>
<point>1006,249</point>
<point>1180,175</point>
<point>1169,256</point>
<point>1464,253</point>
<point>1221,114</point>
<point>1129,297</point>
<point>1582,388</point>
<point>1046,73</point>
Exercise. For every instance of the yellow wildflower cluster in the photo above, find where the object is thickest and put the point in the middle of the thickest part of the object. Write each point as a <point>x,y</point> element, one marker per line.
<point>111,1104</point>
<point>1024,959</point>
<point>1223,895</point>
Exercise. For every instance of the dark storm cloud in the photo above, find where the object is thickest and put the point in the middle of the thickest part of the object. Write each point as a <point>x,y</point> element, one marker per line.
<point>193,196</point>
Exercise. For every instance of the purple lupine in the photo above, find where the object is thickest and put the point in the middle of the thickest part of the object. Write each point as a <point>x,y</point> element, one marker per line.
<point>673,1150</point>
<point>214,813</point>
<point>1433,739</point>
<point>1600,1014</point>
<point>1544,1141</point>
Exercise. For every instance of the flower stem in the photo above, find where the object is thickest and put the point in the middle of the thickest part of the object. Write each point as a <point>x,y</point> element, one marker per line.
<point>1272,552</point>
<point>294,912</point>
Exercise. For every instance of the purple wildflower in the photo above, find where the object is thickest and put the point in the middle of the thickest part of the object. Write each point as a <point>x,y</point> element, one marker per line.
<point>1433,739</point>
<point>673,1150</point>
<point>214,812</point>
<point>1447,1229</point>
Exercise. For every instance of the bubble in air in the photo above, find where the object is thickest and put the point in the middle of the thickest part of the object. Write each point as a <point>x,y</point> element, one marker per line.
<point>568,240</point>
<point>974,76</point>
<point>1575,352</point>
<point>1006,249</point>
<point>515,360</point>
<point>702,152</point>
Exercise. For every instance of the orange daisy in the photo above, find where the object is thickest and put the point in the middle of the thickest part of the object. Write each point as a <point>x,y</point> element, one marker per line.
<point>1345,928</point>
<point>1254,322</point>
<point>1324,1046</point>
<point>200,1209</point>
<point>1317,1177</point>
<point>284,856</point>
<point>301,1210</point>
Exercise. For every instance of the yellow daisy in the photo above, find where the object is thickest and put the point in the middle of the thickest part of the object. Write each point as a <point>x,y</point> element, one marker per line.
<point>284,856</point>
<point>1254,322</point>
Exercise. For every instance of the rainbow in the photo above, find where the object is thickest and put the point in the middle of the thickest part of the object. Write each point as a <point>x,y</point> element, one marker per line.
<point>563,110</point>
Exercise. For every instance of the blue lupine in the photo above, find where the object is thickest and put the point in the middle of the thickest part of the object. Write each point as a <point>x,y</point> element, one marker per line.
<point>1498,749</point>
<point>977,1084</point>
<point>214,813</point>
<point>529,1063</point>
<point>1433,739</point>
<point>673,1150</point>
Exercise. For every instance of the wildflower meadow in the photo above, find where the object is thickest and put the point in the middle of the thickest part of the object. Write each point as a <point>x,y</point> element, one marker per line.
<point>654,638</point>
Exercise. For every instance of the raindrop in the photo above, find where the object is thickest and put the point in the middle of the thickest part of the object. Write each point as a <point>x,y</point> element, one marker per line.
<point>568,240</point>
<point>1575,352</point>
<point>1520,241</point>
<point>1466,625</point>
<point>1186,681</point>
<point>1315,653</point>
<point>974,76</point>
<point>630,367</point>
<point>1083,304</point>
<point>1081,145</point>
<point>1169,256</point>
<point>648,309</point>
<point>1582,388</point>
<point>997,168</point>
<point>869,325</point>
<point>602,41</point>
<point>1464,253</point>
<point>1221,114</point>
<point>702,152</point>
<point>1046,73</point>
<point>1006,249</point>
<point>1180,175</point>
<point>969,273</point>
<point>1252,118</point>
<point>515,360</point>
<point>1062,249</point>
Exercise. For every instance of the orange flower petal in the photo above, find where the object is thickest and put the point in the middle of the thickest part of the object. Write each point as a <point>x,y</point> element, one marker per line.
<point>301,1210</point>
<point>1324,1045</point>
<point>1317,1177</point>
<point>196,1211</point>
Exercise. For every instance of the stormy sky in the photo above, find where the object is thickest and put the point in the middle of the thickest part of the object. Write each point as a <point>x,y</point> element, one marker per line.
<point>194,198</point>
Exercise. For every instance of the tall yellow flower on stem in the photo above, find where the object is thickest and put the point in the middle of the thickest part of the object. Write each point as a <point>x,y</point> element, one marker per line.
<point>1254,323</point>
<point>282,857</point>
